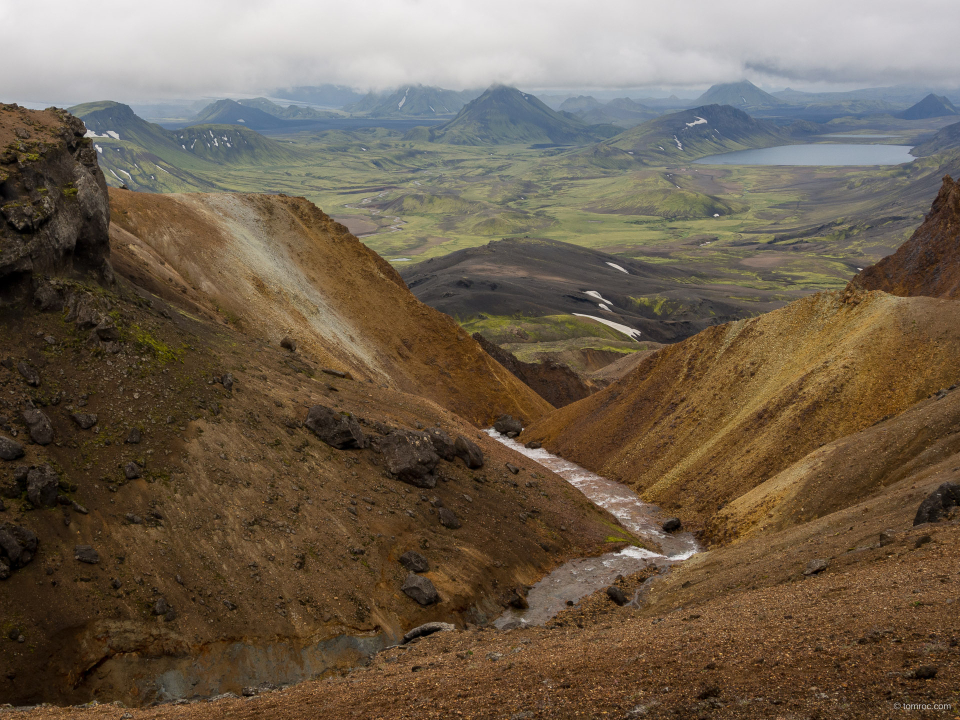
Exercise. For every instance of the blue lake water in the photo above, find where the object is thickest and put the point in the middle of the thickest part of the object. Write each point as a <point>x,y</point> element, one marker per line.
<point>815,154</point>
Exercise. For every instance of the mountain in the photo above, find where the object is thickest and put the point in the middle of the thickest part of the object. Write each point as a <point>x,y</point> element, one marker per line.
<point>504,115</point>
<point>291,112</point>
<point>932,106</point>
<point>545,278</point>
<point>946,140</point>
<point>622,112</point>
<point>413,101</point>
<point>333,96</point>
<point>147,157</point>
<point>228,462</point>
<point>929,262</point>
<point>230,112</point>
<point>743,95</point>
<point>579,104</point>
<point>685,136</point>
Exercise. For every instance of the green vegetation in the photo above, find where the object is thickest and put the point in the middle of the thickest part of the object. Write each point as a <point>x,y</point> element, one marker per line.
<point>549,328</point>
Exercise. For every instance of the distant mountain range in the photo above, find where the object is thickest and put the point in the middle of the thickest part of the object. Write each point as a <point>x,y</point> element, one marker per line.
<point>413,101</point>
<point>743,95</point>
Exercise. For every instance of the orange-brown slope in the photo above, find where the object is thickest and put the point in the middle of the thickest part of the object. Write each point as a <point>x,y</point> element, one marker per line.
<point>698,424</point>
<point>279,266</point>
<point>929,262</point>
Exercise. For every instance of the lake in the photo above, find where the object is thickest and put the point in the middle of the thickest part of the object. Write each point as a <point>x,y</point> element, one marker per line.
<point>815,154</point>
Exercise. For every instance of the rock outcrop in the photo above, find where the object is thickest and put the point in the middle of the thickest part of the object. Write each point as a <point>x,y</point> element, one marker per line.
<point>53,201</point>
<point>929,262</point>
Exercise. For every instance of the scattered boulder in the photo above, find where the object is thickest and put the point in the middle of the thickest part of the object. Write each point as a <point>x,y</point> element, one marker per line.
<point>134,437</point>
<point>288,343</point>
<point>420,589</point>
<point>86,554</point>
<point>42,486</point>
<point>533,445</point>
<point>160,607</point>
<point>427,629</point>
<point>924,672</point>
<point>337,373</point>
<point>414,562</point>
<point>512,468</point>
<point>85,421</point>
<point>227,380</point>
<point>131,471</point>
<point>886,538</point>
<point>29,373</point>
<point>18,545</point>
<point>336,430</point>
<point>816,566</point>
<point>508,424</point>
<point>107,331</point>
<point>449,519</point>
<point>936,506</point>
<point>38,425</point>
<point>10,449</point>
<point>411,457</point>
<point>616,594</point>
<point>671,524</point>
<point>469,452</point>
<point>443,445</point>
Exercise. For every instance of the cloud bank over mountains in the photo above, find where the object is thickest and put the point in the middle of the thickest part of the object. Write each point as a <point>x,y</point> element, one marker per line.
<point>69,52</point>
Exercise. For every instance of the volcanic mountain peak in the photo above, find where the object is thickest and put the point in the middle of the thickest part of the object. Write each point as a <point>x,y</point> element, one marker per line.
<point>413,101</point>
<point>929,262</point>
<point>932,106</point>
<point>230,112</point>
<point>739,94</point>
<point>504,115</point>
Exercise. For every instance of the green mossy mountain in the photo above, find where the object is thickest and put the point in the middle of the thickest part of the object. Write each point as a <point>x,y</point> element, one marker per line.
<point>230,112</point>
<point>505,116</point>
<point>149,158</point>
<point>685,136</point>
<point>291,112</point>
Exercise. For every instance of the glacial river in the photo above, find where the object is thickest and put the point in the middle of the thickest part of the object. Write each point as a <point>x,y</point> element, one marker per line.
<point>580,577</point>
<point>827,154</point>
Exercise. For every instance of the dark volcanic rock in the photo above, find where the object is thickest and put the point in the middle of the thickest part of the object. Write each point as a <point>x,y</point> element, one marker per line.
<point>29,373</point>
<point>508,424</point>
<point>84,420</point>
<point>616,594</point>
<point>42,486</point>
<point>938,503</point>
<point>469,452</point>
<point>134,437</point>
<point>39,426</point>
<point>86,554</point>
<point>671,524</point>
<point>427,629</point>
<point>18,545</point>
<point>339,431</point>
<point>10,449</point>
<point>816,566</point>
<point>411,457</point>
<point>414,562</point>
<point>288,343</point>
<point>449,519</point>
<point>420,589</point>
<point>443,445</point>
<point>54,206</point>
<point>132,471</point>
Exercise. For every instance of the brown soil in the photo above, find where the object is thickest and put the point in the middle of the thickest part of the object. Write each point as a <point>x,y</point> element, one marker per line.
<point>843,644</point>
<point>929,262</point>
<point>698,424</point>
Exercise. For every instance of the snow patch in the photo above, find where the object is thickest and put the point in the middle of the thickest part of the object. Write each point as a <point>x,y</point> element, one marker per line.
<point>698,121</point>
<point>126,173</point>
<point>617,267</point>
<point>404,99</point>
<point>241,120</point>
<point>716,214</point>
<point>598,296</point>
<point>114,134</point>
<point>604,307</point>
<point>99,149</point>
<point>679,144</point>
<point>628,331</point>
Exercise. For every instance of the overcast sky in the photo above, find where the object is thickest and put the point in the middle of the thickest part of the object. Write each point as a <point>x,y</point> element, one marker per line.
<point>66,52</point>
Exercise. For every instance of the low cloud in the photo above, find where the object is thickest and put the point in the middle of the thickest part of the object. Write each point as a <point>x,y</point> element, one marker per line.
<point>64,53</point>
